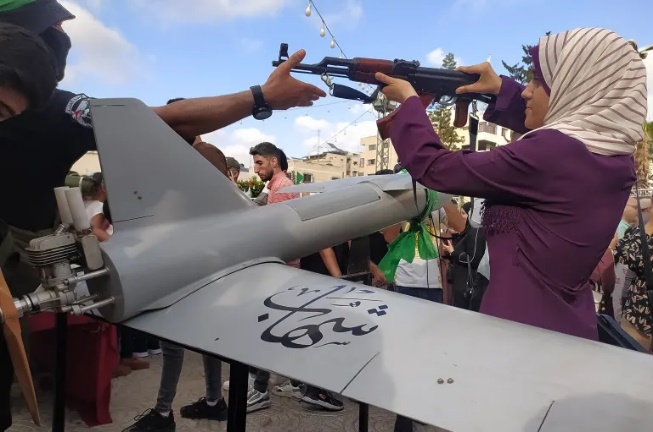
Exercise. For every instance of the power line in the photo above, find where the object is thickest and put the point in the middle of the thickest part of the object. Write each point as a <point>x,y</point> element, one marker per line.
<point>325,27</point>
<point>320,144</point>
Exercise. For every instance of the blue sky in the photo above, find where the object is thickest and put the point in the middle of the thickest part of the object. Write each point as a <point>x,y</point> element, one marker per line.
<point>155,50</point>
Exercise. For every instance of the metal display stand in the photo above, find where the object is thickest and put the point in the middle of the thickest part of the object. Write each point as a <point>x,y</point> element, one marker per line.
<point>61,343</point>
<point>359,271</point>
<point>237,407</point>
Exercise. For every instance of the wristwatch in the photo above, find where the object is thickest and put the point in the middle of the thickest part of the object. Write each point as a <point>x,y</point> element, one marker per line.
<point>261,109</point>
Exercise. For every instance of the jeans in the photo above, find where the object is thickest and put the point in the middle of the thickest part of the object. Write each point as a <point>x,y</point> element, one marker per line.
<point>132,341</point>
<point>404,424</point>
<point>173,360</point>
<point>432,294</point>
<point>262,379</point>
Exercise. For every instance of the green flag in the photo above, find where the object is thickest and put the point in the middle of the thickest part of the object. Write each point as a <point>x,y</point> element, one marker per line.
<point>299,177</point>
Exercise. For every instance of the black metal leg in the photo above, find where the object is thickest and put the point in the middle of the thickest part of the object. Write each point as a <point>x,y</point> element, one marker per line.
<point>237,416</point>
<point>363,417</point>
<point>61,342</point>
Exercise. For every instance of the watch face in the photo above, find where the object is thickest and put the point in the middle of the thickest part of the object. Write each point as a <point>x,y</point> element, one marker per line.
<point>262,114</point>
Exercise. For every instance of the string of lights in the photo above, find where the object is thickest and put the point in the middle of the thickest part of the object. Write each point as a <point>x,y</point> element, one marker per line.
<point>324,30</point>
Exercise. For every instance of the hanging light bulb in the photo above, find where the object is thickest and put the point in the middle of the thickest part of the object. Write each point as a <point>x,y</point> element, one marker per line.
<point>340,55</point>
<point>307,12</point>
<point>322,30</point>
<point>333,42</point>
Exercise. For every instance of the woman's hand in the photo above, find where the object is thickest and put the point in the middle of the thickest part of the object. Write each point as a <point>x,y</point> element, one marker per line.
<point>396,89</point>
<point>448,248</point>
<point>489,81</point>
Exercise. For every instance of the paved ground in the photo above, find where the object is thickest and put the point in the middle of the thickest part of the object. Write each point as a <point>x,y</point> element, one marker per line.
<point>135,393</point>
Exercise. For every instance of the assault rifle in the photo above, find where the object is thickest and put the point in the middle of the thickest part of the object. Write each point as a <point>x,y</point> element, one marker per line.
<point>433,85</point>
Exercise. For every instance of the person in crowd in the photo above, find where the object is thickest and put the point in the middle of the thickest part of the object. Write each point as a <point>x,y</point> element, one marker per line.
<point>630,217</point>
<point>233,169</point>
<point>27,80</point>
<point>270,164</point>
<point>212,406</point>
<point>581,116</point>
<point>464,254</point>
<point>635,310</point>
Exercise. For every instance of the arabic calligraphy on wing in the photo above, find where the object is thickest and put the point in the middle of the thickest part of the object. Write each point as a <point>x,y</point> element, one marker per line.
<point>305,318</point>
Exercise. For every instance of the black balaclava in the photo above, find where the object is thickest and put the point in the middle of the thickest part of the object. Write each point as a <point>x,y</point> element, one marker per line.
<point>40,17</point>
<point>60,44</point>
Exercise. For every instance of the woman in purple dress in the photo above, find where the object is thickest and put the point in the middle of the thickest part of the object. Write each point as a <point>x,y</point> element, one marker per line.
<point>555,196</point>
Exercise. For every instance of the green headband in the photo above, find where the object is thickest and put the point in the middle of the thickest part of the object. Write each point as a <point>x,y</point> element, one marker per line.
<point>9,5</point>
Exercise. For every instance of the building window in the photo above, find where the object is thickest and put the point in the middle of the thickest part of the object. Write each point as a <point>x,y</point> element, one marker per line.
<point>490,128</point>
<point>371,147</point>
<point>308,178</point>
<point>371,162</point>
<point>362,162</point>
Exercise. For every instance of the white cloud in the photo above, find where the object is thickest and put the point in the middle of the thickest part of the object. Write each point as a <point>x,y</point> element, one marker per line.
<point>236,143</point>
<point>204,11</point>
<point>250,45</point>
<point>347,16</point>
<point>649,84</point>
<point>345,135</point>
<point>435,58</point>
<point>98,52</point>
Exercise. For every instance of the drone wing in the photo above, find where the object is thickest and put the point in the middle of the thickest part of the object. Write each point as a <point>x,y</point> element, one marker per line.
<point>456,369</point>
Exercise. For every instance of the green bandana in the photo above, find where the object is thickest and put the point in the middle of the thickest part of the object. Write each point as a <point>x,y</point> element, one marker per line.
<point>9,5</point>
<point>416,238</point>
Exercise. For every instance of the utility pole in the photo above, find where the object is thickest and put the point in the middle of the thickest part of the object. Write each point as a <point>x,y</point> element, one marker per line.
<point>383,107</point>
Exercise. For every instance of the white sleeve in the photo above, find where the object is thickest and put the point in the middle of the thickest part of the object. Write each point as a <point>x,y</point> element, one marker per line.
<point>94,208</point>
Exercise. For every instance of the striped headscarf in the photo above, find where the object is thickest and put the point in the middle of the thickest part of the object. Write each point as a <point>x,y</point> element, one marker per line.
<point>596,81</point>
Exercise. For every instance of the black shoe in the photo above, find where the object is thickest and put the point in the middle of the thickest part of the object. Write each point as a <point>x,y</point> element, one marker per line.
<point>152,421</point>
<point>323,399</point>
<point>202,410</point>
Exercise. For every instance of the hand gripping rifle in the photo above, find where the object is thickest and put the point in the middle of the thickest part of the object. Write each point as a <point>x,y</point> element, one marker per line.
<point>432,85</point>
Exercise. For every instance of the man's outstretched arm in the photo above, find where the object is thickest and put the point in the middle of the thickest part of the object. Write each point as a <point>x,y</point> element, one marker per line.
<point>192,117</point>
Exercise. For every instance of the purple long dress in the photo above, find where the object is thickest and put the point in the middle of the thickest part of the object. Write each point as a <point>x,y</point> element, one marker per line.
<point>552,208</point>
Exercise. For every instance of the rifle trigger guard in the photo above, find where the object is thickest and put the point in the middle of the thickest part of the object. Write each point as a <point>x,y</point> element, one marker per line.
<point>326,79</point>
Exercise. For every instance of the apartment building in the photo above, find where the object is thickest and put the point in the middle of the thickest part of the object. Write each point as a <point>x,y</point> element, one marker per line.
<point>332,164</point>
<point>369,151</point>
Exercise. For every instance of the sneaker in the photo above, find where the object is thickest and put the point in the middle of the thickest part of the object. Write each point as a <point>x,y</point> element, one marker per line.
<point>202,410</point>
<point>289,390</point>
<point>323,399</point>
<point>250,383</point>
<point>140,354</point>
<point>151,421</point>
<point>155,351</point>
<point>257,400</point>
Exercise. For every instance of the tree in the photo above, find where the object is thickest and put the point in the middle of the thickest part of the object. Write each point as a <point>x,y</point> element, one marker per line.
<point>441,116</point>
<point>522,72</point>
